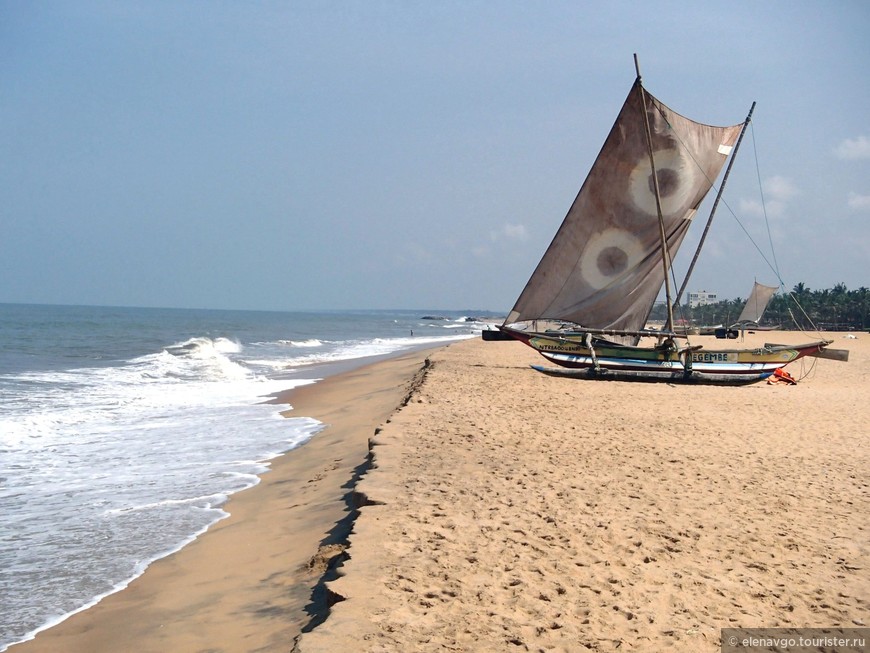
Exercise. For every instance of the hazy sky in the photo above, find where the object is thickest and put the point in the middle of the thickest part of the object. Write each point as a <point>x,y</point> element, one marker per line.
<point>417,154</point>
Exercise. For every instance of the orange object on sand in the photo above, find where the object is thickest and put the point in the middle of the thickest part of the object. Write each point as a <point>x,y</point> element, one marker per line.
<point>781,376</point>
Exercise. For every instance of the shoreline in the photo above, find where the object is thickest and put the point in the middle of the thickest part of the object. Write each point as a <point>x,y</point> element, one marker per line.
<point>246,582</point>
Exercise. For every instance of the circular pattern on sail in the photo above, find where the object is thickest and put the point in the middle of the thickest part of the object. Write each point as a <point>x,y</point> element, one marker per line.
<point>608,256</point>
<point>677,183</point>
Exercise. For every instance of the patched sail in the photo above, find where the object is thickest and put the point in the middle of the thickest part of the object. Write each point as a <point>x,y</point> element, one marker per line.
<point>757,303</point>
<point>603,269</point>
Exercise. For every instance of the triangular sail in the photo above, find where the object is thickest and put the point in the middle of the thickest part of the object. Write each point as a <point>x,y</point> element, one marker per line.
<point>757,303</point>
<point>603,269</point>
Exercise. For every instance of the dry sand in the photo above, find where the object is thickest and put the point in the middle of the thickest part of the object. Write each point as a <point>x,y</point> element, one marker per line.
<point>513,511</point>
<point>516,511</point>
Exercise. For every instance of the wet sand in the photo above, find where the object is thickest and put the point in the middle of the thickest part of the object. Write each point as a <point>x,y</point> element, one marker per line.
<point>246,584</point>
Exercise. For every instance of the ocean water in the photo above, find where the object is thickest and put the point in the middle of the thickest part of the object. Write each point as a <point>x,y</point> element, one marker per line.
<point>124,430</point>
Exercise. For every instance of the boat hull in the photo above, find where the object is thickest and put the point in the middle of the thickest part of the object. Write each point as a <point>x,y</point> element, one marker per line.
<point>693,377</point>
<point>607,360</point>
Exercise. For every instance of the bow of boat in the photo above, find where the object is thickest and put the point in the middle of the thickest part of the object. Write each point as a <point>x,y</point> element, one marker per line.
<point>818,349</point>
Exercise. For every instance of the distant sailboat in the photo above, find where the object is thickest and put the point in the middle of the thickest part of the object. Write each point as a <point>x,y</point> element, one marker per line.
<point>749,318</point>
<point>607,263</point>
<point>754,308</point>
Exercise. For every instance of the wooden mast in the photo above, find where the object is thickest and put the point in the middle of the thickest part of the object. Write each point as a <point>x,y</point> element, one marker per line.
<point>669,326</point>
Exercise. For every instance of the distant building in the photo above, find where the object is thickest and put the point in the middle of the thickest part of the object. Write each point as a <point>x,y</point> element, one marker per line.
<point>701,298</point>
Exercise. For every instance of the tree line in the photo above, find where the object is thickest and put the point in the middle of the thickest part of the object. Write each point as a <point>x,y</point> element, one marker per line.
<point>831,309</point>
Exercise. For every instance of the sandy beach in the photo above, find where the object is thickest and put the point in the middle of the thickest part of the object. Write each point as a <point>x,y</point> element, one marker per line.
<point>508,510</point>
<point>515,511</point>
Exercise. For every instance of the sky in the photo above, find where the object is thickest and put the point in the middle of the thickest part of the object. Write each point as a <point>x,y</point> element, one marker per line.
<point>415,154</point>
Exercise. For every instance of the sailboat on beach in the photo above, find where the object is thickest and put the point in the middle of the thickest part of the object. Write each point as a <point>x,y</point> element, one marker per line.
<point>749,319</point>
<point>753,309</point>
<point>586,305</point>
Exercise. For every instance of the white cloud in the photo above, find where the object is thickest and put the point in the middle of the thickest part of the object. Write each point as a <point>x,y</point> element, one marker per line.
<point>859,202</point>
<point>505,233</point>
<point>854,148</point>
<point>780,189</point>
<point>774,208</point>
<point>751,207</point>
<point>515,232</point>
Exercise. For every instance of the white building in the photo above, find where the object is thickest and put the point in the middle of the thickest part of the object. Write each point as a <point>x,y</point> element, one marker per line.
<point>701,298</point>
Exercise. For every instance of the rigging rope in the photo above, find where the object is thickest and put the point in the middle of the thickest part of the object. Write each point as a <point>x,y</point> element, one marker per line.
<point>774,267</point>
<point>764,207</point>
